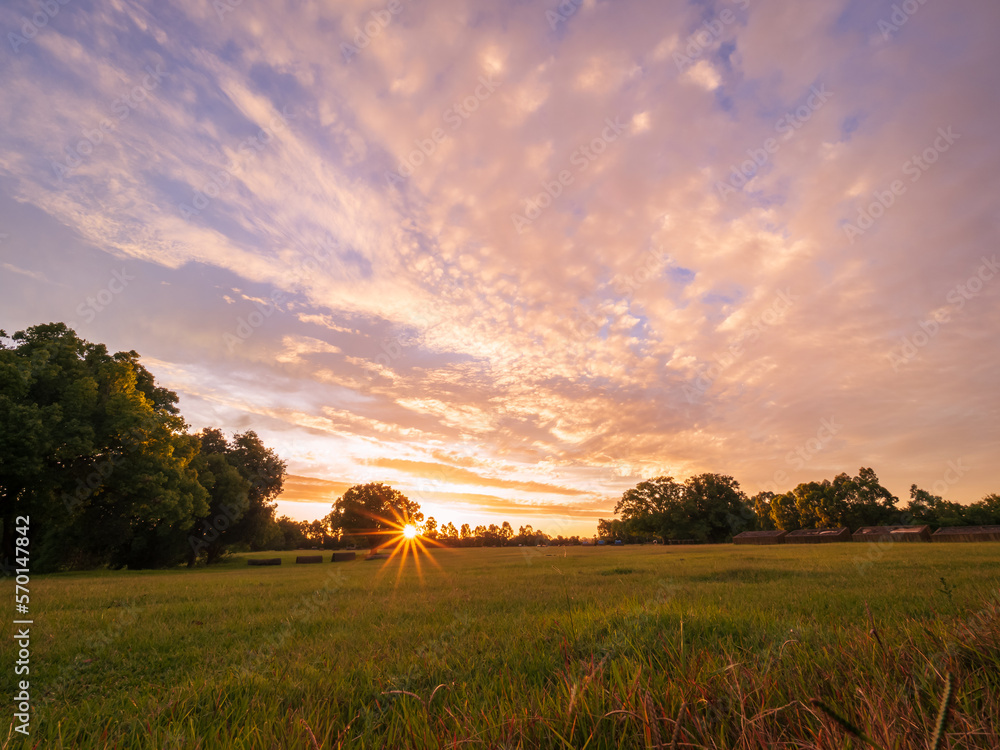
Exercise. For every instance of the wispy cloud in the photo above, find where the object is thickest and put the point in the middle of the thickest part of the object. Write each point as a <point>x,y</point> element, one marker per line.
<point>347,223</point>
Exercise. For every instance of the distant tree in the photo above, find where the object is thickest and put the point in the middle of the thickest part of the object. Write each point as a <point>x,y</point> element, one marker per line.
<point>718,507</point>
<point>265,472</point>
<point>985,512</point>
<point>449,534</point>
<point>761,503</point>
<point>228,495</point>
<point>466,537</point>
<point>785,512</point>
<point>372,514</point>
<point>925,508</point>
<point>867,502</point>
<point>293,533</point>
<point>430,529</point>
<point>655,506</point>
<point>846,501</point>
<point>818,505</point>
<point>707,508</point>
<point>506,533</point>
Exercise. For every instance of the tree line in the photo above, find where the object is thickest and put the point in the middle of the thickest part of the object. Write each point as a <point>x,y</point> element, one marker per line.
<point>374,514</point>
<point>713,508</point>
<point>100,460</point>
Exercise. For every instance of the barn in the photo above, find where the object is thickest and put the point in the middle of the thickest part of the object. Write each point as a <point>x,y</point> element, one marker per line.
<point>893,533</point>
<point>761,537</point>
<point>967,534</point>
<point>818,536</point>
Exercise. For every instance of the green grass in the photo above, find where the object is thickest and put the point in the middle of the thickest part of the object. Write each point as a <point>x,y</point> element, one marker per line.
<point>556,647</point>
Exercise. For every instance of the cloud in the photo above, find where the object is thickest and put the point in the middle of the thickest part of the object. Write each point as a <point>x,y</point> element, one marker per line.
<point>328,255</point>
<point>444,474</point>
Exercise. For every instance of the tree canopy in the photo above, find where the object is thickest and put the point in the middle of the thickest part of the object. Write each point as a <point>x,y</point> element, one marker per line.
<point>98,456</point>
<point>705,508</point>
<point>371,514</point>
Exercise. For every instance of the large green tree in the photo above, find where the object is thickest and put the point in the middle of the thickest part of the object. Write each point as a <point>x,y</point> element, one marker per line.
<point>228,495</point>
<point>372,514</point>
<point>261,468</point>
<point>243,477</point>
<point>706,508</point>
<point>845,501</point>
<point>93,452</point>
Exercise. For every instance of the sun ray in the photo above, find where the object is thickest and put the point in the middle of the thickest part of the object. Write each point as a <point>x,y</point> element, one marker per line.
<point>403,538</point>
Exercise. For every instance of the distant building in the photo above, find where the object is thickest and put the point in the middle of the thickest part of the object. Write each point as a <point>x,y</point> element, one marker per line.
<point>893,533</point>
<point>761,537</point>
<point>818,536</point>
<point>967,534</point>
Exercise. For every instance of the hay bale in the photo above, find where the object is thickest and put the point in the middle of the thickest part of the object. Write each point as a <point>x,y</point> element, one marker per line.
<point>967,534</point>
<point>893,534</point>
<point>343,556</point>
<point>264,561</point>
<point>377,556</point>
<point>308,559</point>
<point>761,537</point>
<point>818,536</point>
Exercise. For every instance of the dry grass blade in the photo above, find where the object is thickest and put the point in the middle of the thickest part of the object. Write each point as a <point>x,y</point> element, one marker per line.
<point>844,724</point>
<point>871,627</point>
<point>434,692</point>
<point>942,717</point>
<point>309,731</point>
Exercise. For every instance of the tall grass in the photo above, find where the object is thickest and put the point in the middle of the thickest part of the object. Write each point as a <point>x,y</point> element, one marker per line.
<point>715,647</point>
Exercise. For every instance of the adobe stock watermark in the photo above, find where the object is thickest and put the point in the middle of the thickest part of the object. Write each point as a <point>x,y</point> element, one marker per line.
<point>698,43</point>
<point>901,13</point>
<point>32,27</point>
<point>222,7</point>
<point>786,127</point>
<point>371,29</point>
<point>247,148</point>
<point>772,316</point>
<point>123,107</point>
<point>957,297</point>
<point>455,116</point>
<point>585,327</point>
<point>953,474</point>
<point>914,168</point>
<point>563,12</point>
<point>653,263</point>
<point>581,158</point>
<point>803,455</point>
<point>265,309</point>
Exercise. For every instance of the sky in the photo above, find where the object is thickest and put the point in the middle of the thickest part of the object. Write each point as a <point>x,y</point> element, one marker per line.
<point>514,258</point>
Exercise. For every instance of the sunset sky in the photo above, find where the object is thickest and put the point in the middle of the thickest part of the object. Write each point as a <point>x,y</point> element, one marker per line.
<point>514,258</point>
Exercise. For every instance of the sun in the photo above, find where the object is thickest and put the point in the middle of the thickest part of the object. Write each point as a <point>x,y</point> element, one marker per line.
<point>410,531</point>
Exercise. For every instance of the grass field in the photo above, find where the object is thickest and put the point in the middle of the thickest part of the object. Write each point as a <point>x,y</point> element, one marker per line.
<point>555,647</point>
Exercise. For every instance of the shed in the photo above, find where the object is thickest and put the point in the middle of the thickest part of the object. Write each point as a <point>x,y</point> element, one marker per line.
<point>967,534</point>
<point>818,536</point>
<point>893,533</point>
<point>761,537</point>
